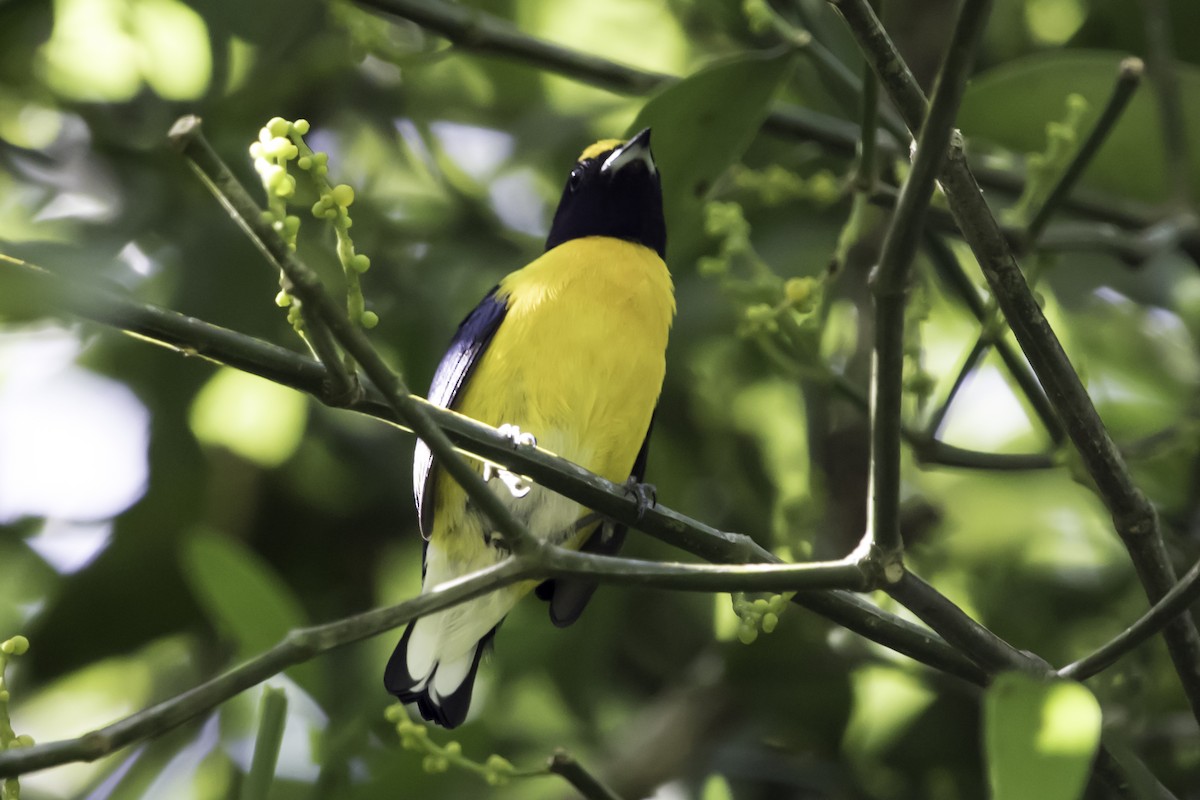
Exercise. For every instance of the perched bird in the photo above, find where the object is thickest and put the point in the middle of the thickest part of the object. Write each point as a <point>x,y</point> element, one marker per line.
<point>568,352</point>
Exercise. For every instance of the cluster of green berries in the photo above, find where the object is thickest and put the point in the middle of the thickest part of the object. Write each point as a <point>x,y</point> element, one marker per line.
<point>281,142</point>
<point>497,770</point>
<point>799,295</point>
<point>759,614</point>
<point>776,185</point>
<point>16,646</point>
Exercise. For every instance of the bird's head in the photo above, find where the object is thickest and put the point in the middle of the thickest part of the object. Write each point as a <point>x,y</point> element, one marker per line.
<point>613,190</point>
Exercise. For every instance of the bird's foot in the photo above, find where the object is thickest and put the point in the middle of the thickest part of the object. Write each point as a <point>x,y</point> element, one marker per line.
<point>646,495</point>
<point>517,486</point>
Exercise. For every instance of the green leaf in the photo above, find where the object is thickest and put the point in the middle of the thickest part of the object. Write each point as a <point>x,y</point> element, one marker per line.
<point>1011,105</point>
<point>702,124</point>
<point>1040,737</point>
<point>245,600</point>
<point>716,788</point>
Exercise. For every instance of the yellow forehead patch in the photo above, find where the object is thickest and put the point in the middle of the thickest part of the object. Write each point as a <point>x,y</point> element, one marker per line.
<point>600,147</point>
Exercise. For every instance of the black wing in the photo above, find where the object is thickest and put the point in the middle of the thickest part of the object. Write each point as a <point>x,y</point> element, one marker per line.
<point>569,596</point>
<point>469,343</point>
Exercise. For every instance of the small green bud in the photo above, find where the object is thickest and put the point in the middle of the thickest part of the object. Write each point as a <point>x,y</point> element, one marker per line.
<point>769,621</point>
<point>799,290</point>
<point>300,126</point>
<point>712,266</point>
<point>16,646</point>
<point>304,162</point>
<point>759,312</point>
<point>360,263</point>
<point>4,696</point>
<point>283,299</point>
<point>283,186</point>
<point>321,159</point>
<point>395,712</point>
<point>760,605</point>
<point>24,740</point>
<point>343,195</point>
<point>320,207</point>
<point>291,224</point>
<point>747,633</point>
<point>369,319</point>
<point>453,749</point>
<point>498,763</point>
<point>256,150</point>
<point>278,126</point>
<point>777,603</point>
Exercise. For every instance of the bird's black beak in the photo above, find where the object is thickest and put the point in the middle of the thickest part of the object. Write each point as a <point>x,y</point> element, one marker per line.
<point>636,150</point>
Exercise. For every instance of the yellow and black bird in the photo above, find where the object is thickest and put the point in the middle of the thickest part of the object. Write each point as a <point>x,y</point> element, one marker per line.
<point>568,351</point>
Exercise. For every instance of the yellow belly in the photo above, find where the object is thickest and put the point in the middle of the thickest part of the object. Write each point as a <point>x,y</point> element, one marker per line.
<point>578,362</point>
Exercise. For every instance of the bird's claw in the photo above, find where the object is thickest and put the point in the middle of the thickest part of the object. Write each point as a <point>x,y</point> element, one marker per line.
<point>517,486</point>
<point>646,495</point>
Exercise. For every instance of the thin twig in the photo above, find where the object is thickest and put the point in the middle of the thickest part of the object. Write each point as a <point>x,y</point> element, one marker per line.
<point>272,717</point>
<point>564,764</point>
<point>1134,517</point>
<point>1129,77</point>
<point>982,646</point>
<point>982,345</point>
<point>925,448</point>
<point>344,386</point>
<point>866,174</point>
<point>1173,603</point>
<point>890,283</point>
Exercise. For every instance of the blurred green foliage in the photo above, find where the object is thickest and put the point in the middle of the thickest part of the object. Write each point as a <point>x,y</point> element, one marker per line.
<point>260,513</point>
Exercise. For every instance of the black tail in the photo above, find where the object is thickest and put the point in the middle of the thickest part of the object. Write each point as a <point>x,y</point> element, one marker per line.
<point>447,710</point>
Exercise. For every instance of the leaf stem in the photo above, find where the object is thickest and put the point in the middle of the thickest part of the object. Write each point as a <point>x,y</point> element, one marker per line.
<point>272,716</point>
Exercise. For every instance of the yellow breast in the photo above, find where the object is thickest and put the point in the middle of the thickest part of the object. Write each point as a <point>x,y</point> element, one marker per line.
<point>580,357</point>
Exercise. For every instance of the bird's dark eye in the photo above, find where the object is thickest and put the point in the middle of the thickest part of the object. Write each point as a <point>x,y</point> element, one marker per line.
<point>575,179</point>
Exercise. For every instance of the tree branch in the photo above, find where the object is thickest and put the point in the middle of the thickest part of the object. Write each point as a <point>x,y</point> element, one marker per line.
<point>565,766</point>
<point>1134,518</point>
<point>890,283</point>
<point>1172,604</point>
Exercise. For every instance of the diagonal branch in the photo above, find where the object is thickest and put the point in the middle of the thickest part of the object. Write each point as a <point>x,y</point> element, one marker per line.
<point>1172,604</point>
<point>1129,76</point>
